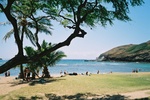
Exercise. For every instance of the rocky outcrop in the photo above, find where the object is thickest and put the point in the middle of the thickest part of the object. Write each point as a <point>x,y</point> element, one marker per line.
<point>132,53</point>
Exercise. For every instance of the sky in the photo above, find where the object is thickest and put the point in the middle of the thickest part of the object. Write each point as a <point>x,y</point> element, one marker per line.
<point>97,41</point>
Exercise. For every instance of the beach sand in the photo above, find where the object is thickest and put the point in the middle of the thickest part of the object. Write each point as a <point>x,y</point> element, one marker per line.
<point>137,94</point>
<point>8,84</point>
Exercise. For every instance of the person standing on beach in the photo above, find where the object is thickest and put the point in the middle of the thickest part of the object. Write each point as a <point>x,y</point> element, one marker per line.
<point>87,73</point>
<point>8,73</point>
<point>27,74</point>
<point>5,74</point>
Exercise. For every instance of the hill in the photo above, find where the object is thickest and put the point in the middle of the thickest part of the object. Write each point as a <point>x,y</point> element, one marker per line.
<point>131,52</point>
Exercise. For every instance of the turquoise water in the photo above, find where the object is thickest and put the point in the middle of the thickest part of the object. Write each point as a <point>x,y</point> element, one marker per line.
<point>81,66</point>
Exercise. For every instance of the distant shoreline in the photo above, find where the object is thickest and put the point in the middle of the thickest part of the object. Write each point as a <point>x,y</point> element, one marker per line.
<point>82,66</point>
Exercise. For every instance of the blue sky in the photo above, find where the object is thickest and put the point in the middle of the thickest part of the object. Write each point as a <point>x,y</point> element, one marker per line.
<point>97,41</point>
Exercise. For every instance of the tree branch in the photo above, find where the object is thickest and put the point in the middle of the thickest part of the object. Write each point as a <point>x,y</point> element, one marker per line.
<point>89,11</point>
<point>80,8</point>
<point>74,14</point>
<point>14,24</point>
<point>67,19</point>
<point>59,45</point>
<point>1,6</point>
<point>17,60</point>
<point>82,34</point>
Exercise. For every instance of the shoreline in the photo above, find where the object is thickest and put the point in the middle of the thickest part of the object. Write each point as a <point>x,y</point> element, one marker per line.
<point>58,74</point>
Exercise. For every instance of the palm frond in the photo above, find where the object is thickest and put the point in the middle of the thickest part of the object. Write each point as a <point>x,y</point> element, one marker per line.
<point>30,51</point>
<point>44,29</point>
<point>30,36</point>
<point>5,23</point>
<point>54,57</point>
<point>45,21</point>
<point>8,35</point>
<point>31,24</point>
<point>41,27</point>
<point>44,45</point>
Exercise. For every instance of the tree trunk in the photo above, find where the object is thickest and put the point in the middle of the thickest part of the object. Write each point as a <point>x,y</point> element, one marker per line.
<point>33,75</point>
<point>21,72</point>
<point>46,73</point>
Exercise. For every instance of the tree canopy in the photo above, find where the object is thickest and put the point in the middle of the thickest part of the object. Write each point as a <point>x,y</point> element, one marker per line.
<point>72,14</point>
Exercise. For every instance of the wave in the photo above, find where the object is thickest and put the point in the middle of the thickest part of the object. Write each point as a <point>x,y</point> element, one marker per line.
<point>77,64</point>
<point>61,65</point>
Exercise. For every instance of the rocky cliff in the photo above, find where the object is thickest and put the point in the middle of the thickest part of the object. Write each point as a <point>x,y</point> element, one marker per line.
<point>132,53</point>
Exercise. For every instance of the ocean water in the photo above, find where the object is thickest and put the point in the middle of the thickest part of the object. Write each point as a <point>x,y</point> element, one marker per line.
<point>81,66</point>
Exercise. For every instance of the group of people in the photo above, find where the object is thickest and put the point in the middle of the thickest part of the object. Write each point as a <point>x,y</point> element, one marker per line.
<point>74,73</point>
<point>65,72</point>
<point>135,71</point>
<point>26,74</point>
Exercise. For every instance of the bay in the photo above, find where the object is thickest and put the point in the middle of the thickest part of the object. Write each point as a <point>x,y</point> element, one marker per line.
<point>82,66</point>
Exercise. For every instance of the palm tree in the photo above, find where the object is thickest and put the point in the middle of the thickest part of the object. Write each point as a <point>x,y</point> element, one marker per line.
<point>48,60</point>
<point>30,52</point>
<point>27,22</point>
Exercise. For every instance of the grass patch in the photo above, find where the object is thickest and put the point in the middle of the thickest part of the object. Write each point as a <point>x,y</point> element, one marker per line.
<point>82,85</point>
<point>137,48</point>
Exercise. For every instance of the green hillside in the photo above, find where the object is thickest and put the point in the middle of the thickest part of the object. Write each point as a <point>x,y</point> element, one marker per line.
<point>139,52</point>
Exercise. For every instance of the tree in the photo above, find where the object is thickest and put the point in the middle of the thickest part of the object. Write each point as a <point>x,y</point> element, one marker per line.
<point>27,22</point>
<point>47,60</point>
<point>32,66</point>
<point>50,59</point>
<point>72,14</point>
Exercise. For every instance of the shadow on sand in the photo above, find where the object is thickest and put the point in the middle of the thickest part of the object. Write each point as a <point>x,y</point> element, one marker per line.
<point>80,96</point>
<point>36,81</point>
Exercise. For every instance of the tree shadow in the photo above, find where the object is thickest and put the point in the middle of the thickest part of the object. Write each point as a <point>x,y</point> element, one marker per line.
<point>36,81</point>
<point>86,96</point>
<point>80,96</point>
<point>32,98</point>
<point>42,81</point>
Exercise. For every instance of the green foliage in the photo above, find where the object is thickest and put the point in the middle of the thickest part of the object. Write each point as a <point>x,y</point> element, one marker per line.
<point>92,13</point>
<point>47,60</point>
<point>136,2</point>
<point>30,51</point>
<point>8,35</point>
<point>26,7</point>
<point>71,12</point>
<point>137,48</point>
<point>28,22</point>
<point>65,23</point>
<point>51,58</point>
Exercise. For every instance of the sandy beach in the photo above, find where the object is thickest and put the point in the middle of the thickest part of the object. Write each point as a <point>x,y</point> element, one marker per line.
<point>8,84</point>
